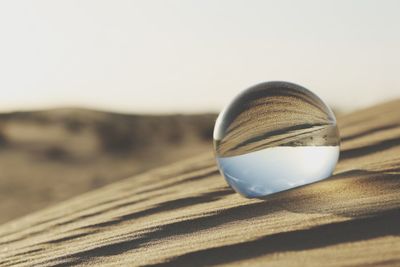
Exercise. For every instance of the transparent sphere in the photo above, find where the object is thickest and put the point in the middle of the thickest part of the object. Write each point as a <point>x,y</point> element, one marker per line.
<point>275,136</point>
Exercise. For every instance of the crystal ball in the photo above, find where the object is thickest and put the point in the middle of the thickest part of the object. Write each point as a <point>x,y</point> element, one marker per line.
<point>275,136</point>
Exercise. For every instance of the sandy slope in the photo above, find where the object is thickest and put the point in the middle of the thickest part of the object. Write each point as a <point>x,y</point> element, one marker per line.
<point>185,215</point>
<point>52,155</point>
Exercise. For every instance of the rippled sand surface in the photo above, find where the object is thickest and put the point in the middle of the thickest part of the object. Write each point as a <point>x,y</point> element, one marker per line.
<point>185,215</point>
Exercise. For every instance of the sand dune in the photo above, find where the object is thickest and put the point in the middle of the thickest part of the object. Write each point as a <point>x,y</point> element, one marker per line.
<point>52,155</point>
<point>185,215</point>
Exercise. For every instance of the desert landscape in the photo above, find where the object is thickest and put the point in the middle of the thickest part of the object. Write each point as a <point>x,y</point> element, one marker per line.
<point>184,214</point>
<point>199,133</point>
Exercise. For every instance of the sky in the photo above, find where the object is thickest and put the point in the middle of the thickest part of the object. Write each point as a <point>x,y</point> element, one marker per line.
<point>194,56</point>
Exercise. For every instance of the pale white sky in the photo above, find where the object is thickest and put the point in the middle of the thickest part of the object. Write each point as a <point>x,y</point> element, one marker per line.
<point>194,56</point>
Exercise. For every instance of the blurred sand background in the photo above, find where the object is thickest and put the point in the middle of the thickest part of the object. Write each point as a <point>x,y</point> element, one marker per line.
<point>52,155</point>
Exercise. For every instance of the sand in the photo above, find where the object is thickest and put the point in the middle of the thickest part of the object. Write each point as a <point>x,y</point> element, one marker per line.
<point>52,155</point>
<point>184,214</point>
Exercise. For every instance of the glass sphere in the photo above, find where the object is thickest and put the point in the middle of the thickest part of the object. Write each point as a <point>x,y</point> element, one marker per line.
<point>275,136</point>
